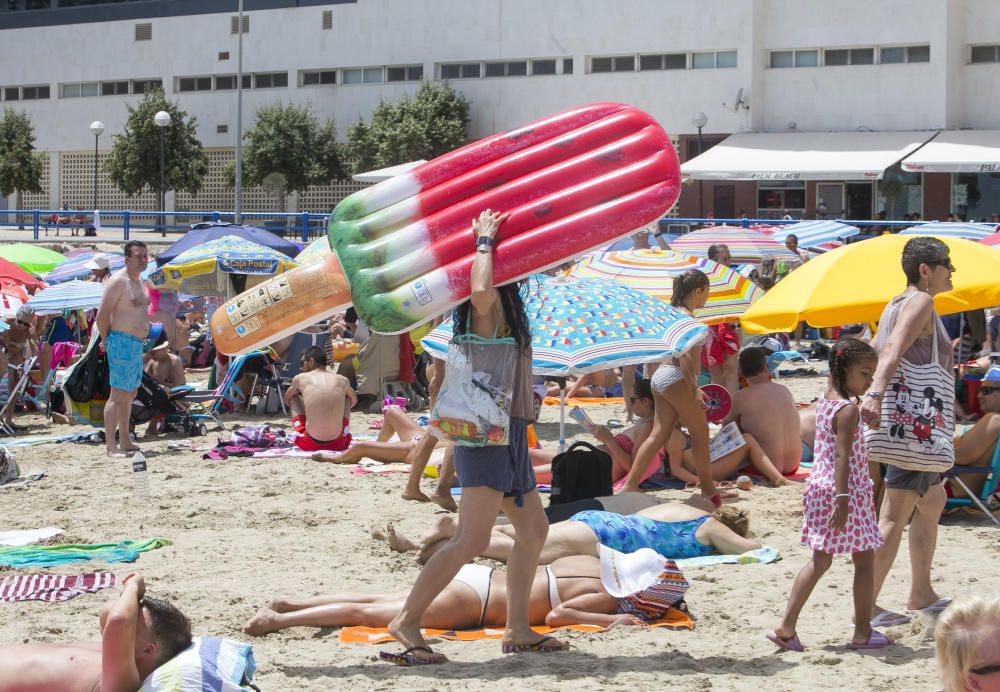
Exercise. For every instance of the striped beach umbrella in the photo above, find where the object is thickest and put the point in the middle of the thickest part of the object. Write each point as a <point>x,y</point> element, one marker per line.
<point>652,271</point>
<point>76,267</point>
<point>951,229</point>
<point>69,295</point>
<point>208,268</point>
<point>584,325</point>
<point>815,233</point>
<point>745,245</point>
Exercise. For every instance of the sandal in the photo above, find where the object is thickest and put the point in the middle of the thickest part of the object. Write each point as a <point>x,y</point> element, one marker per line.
<point>876,640</point>
<point>537,647</point>
<point>887,618</point>
<point>408,658</point>
<point>790,644</point>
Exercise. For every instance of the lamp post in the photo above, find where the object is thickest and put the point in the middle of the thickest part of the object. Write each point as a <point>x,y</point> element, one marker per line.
<point>699,120</point>
<point>96,129</point>
<point>162,119</point>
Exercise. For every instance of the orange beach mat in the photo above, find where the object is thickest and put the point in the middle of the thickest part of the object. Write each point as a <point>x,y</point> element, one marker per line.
<point>584,400</point>
<point>674,620</point>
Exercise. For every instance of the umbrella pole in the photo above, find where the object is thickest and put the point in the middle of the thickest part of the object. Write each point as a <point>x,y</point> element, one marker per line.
<point>562,416</point>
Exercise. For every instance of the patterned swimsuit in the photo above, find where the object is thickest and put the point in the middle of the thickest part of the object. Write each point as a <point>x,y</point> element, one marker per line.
<point>629,533</point>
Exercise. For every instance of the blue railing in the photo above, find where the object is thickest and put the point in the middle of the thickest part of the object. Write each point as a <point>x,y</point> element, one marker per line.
<point>301,225</point>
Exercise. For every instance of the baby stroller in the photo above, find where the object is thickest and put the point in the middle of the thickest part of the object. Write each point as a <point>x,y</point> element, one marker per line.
<point>152,401</point>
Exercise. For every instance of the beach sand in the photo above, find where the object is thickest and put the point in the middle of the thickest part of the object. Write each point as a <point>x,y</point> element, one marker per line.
<point>247,530</point>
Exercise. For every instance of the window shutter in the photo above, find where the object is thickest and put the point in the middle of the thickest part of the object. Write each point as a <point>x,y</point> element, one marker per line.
<point>327,19</point>
<point>144,32</point>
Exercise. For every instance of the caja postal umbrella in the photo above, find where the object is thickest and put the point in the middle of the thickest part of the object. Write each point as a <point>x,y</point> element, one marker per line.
<point>853,284</point>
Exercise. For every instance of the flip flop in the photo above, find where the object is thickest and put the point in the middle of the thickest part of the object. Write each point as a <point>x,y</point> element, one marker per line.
<point>613,423</point>
<point>876,640</point>
<point>790,644</point>
<point>538,647</point>
<point>887,618</point>
<point>934,608</point>
<point>407,658</point>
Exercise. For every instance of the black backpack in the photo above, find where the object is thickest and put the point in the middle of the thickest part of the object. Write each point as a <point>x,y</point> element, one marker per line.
<point>90,378</point>
<point>581,472</point>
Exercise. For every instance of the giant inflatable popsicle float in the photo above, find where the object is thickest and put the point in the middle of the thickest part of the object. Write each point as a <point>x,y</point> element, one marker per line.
<point>403,249</point>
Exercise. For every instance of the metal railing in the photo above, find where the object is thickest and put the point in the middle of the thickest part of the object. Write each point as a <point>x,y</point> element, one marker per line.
<point>301,225</point>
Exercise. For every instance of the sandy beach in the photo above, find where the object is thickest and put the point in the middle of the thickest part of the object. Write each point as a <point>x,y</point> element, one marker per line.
<point>246,530</point>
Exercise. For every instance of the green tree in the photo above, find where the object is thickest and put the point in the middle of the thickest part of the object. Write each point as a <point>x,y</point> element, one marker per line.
<point>134,163</point>
<point>288,149</point>
<point>20,166</point>
<point>431,123</point>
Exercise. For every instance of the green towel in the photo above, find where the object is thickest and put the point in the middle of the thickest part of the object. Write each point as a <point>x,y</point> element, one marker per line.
<point>53,555</point>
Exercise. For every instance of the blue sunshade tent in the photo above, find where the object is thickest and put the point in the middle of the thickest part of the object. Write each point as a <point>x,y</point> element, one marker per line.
<point>202,233</point>
<point>69,295</point>
<point>951,229</point>
<point>813,233</point>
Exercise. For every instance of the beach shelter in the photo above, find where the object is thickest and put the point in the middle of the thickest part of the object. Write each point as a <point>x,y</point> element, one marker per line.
<point>951,229</point>
<point>815,233</point>
<point>76,267</point>
<point>69,295</point>
<point>31,258</point>
<point>745,245</point>
<point>652,271</point>
<point>218,267</point>
<point>202,233</point>
<point>853,284</point>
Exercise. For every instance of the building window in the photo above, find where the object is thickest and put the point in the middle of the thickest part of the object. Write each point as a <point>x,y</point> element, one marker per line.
<point>194,84</point>
<point>270,80</point>
<point>227,82</point>
<point>221,129</point>
<point>35,93</point>
<point>327,20</point>
<point>467,70</point>
<point>407,73</point>
<point>114,88</point>
<point>567,66</point>
<point>543,67</point>
<point>12,94</point>
<point>318,77</point>
<point>616,63</point>
<point>666,61</point>
<point>363,75</point>
<point>516,68</point>
<point>702,60</point>
<point>725,58</point>
<point>775,198</point>
<point>782,58</point>
<point>849,56</point>
<point>806,58</point>
<point>234,23</point>
<point>899,54</point>
<point>918,54</point>
<point>224,55</point>
<point>144,32</point>
<point>794,58</point>
<point>985,54</point>
<point>144,86</point>
<point>70,91</point>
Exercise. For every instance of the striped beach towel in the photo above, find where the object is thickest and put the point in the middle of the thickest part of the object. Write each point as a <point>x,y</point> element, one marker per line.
<point>53,587</point>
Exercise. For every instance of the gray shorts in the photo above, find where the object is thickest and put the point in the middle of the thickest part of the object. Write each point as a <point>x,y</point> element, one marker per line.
<point>901,479</point>
<point>504,468</point>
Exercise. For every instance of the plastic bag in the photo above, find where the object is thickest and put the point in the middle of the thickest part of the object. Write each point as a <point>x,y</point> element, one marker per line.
<point>473,405</point>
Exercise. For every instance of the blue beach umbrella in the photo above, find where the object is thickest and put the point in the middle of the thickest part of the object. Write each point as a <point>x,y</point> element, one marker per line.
<point>951,229</point>
<point>813,233</point>
<point>202,233</point>
<point>76,267</point>
<point>69,295</point>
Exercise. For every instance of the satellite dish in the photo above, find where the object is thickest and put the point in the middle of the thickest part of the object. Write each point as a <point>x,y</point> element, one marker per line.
<point>739,98</point>
<point>739,104</point>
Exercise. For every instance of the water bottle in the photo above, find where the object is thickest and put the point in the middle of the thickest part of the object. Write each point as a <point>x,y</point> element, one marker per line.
<point>140,476</point>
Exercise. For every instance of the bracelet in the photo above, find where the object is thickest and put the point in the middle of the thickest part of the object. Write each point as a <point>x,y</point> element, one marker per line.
<point>841,495</point>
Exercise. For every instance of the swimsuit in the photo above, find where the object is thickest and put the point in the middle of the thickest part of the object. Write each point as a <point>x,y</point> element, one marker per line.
<point>629,533</point>
<point>124,353</point>
<point>477,578</point>
<point>308,443</point>
<point>666,376</point>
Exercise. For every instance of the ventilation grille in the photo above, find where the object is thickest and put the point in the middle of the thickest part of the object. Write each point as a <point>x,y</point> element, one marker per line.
<point>144,32</point>
<point>234,23</point>
<point>327,19</point>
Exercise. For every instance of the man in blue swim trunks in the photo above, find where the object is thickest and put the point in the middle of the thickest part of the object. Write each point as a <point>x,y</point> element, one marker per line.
<point>123,323</point>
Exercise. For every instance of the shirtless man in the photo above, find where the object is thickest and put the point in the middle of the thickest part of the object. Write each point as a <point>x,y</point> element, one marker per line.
<point>138,634</point>
<point>320,402</point>
<point>766,410</point>
<point>123,324</point>
<point>168,371</point>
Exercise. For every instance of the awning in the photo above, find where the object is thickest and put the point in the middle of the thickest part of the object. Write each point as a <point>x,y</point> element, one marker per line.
<point>958,151</point>
<point>804,155</point>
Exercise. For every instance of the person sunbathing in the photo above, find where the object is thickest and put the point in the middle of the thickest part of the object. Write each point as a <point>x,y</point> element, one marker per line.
<point>674,530</point>
<point>978,444</point>
<point>567,592</point>
<point>320,403</point>
<point>766,410</point>
<point>138,634</point>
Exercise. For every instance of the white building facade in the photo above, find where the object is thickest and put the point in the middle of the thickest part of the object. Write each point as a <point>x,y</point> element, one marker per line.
<point>751,66</point>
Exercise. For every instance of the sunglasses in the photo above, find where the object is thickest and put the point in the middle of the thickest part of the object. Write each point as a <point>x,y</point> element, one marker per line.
<point>946,263</point>
<point>988,390</point>
<point>23,323</point>
<point>986,670</point>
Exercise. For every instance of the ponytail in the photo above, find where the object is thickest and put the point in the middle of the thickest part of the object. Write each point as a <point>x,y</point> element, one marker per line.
<point>685,284</point>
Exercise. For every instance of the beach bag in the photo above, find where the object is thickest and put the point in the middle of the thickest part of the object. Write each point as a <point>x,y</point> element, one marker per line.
<point>90,378</point>
<point>473,405</point>
<point>582,472</point>
<point>918,417</point>
<point>9,472</point>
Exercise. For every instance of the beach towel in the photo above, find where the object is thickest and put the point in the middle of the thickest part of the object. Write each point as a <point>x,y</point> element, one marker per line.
<point>210,664</point>
<point>28,536</point>
<point>31,476</point>
<point>52,555</point>
<point>53,587</point>
<point>675,619</point>
<point>751,557</point>
<point>585,400</point>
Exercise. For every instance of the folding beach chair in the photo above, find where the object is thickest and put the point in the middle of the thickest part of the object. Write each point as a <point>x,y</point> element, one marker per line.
<point>38,394</point>
<point>227,392</point>
<point>990,492</point>
<point>15,394</point>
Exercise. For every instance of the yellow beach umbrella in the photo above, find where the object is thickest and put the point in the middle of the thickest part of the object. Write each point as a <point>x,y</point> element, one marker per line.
<point>853,283</point>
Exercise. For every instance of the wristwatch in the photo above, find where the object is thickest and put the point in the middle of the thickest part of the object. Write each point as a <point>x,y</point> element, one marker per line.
<point>482,242</point>
<point>874,395</point>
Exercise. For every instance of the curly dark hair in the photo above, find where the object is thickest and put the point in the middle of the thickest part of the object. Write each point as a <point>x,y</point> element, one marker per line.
<point>512,302</point>
<point>171,628</point>
<point>921,250</point>
<point>845,353</point>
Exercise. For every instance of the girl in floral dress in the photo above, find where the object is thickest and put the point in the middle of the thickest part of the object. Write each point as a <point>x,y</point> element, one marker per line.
<point>838,509</point>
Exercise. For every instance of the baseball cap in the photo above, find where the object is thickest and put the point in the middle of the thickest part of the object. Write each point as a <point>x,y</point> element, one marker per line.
<point>993,374</point>
<point>99,261</point>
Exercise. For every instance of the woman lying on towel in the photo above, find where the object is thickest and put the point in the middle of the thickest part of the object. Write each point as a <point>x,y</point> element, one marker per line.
<point>570,591</point>
<point>674,530</point>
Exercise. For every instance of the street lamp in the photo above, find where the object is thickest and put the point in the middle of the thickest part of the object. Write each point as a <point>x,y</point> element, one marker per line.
<point>162,119</point>
<point>96,128</point>
<point>699,120</point>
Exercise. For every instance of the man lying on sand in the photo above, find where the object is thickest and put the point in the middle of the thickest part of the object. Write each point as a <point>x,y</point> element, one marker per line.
<point>138,634</point>
<point>674,530</point>
<point>569,591</point>
<point>766,410</point>
<point>320,402</point>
